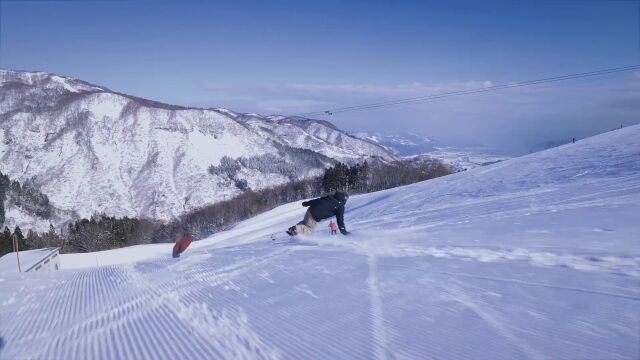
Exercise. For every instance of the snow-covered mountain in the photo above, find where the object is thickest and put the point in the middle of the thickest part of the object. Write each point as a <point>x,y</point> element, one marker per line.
<point>95,151</point>
<point>318,135</point>
<point>532,258</point>
<point>408,145</point>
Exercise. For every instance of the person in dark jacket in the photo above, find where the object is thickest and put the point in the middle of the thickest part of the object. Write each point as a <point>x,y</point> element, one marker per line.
<point>320,209</point>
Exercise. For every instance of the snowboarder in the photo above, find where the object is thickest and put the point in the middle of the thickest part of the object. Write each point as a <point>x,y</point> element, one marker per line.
<point>320,209</point>
<point>182,245</point>
<point>333,227</point>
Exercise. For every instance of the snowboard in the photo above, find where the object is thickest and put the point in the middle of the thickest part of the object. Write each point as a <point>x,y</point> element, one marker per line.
<point>278,238</point>
<point>181,245</point>
<point>286,239</point>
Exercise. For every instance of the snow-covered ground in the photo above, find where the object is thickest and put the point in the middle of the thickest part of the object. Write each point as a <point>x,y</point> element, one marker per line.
<point>535,257</point>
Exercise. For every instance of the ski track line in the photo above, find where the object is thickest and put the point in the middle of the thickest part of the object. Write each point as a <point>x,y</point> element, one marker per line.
<point>160,313</point>
<point>628,266</point>
<point>609,264</point>
<point>35,307</point>
<point>91,300</point>
<point>437,218</point>
<point>39,312</point>
<point>327,328</point>
<point>310,325</point>
<point>478,203</point>
<point>495,323</point>
<point>99,321</point>
<point>222,275</point>
<point>201,321</point>
<point>377,315</point>
<point>194,318</point>
<point>287,338</point>
<point>572,337</point>
<point>313,325</point>
<point>532,352</point>
<point>516,281</point>
<point>528,283</point>
<point>511,205</point>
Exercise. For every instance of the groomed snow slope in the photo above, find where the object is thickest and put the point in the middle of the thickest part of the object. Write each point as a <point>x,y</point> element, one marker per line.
<point>535,257</point>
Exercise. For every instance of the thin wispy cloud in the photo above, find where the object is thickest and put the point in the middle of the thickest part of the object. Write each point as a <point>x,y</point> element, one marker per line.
<point>399,90</point>
<point>307,97</point>
<point>516,118</point>
<point>290,105</point>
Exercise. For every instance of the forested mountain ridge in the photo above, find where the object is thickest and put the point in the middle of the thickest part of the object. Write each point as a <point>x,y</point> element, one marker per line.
<point>92,151</point>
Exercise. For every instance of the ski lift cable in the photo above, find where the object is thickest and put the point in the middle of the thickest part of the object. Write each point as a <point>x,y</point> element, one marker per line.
<point>474,91</point>
<point>470,91</point>
<point>437,96</point>
<point>445,95</point>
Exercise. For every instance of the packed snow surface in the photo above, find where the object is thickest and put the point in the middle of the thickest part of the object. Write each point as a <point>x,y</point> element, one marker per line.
<point>531,258</point>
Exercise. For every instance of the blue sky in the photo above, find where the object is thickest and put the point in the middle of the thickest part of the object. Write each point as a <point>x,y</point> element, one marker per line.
<point>297,56</point>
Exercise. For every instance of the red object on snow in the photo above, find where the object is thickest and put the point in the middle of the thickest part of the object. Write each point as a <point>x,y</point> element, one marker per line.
<point>182,245</point>
<point>333,226</point>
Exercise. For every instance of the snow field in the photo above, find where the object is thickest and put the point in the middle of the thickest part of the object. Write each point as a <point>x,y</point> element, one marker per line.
<point>532,258</point>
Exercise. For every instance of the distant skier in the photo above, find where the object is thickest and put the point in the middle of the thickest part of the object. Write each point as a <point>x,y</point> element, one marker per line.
<point>574,140</point>
<point>320,209</point>
<point>182,245</point>
<point>333,227</point>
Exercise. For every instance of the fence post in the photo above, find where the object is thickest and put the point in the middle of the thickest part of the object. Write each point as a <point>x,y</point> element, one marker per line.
<point>17,250</point>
